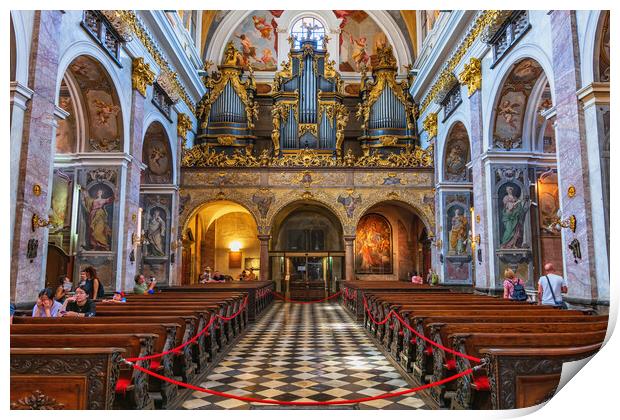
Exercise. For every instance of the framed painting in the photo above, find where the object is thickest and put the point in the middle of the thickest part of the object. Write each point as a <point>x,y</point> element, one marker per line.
<point>373,245</point>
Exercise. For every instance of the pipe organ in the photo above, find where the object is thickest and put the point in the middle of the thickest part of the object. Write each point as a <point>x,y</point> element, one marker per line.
<point>387,109</point>
<point>308,112</point>
<point>228,110</point>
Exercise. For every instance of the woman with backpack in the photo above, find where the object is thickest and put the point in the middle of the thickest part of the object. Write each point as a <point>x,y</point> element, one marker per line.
<point>514,287</point>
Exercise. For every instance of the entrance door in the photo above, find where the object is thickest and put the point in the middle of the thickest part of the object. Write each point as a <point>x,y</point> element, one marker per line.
<point>307,279</point>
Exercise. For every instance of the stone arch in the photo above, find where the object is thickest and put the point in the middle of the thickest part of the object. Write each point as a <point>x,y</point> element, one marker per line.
<point>507,122</point>
<point>157,155</point>
<point>422,206</point>
<point>118,85</point>
<point>601,50</point>
<point>457,137</point>
<point>288,201</point>
<point>21,45</point>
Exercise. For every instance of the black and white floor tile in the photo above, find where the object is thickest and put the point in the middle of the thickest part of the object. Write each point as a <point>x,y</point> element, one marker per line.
<point>304,353</point>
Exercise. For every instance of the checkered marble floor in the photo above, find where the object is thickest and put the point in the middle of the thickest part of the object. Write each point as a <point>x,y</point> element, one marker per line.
<point>304,353</point>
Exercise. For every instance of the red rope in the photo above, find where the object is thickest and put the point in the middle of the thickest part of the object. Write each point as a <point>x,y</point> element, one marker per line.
<point>303,403</point>
<point>285,299</point>
<point>410,328</point>
<point>193,339</point>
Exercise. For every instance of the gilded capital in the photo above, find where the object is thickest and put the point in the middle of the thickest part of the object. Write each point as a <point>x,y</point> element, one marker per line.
<point>430,125</point>
<point>141,75</point>
<point>184,123</point>
<point>471,76</point>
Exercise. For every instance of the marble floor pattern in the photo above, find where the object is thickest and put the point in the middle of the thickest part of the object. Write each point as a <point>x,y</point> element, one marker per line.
<point>304,353</point>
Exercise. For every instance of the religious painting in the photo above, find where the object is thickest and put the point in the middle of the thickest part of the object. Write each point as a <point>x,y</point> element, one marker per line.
<point>62,194</point>
<point>66,130</point>
<point>257,40</point>
<point>512,103</point>
<point>604,52</point>
<point>457,154</point>
<point>513,208</point>
<point>458,229</point>
<point>548,200</point>
<point>373,245</point>
<point>98,208</point>
<point>263,199</point>
<point>157,156</point>
<point>360,38</point>
<point>457,271</point>
<point>155,233</point>
<point>103,109</point>
<point>350,202</point>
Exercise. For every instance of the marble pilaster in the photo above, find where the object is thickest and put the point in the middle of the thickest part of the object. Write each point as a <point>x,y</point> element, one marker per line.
<point>572,155</point>
<point>264,257</point>
<point>132,194</point>
<point>349,262</point>
<point>34,165</point>
<point>482,278</point>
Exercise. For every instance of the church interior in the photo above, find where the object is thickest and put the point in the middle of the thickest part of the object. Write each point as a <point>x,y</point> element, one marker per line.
<point>333,208</point>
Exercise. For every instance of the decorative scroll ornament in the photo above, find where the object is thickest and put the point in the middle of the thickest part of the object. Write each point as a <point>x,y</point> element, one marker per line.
<point>446,83</point>
<point>494,21</point>
<point>430,125</point>
<point>204,157</point>
<point>184,124</point>
<point>165,80</point>
<point>141,75</point>
<point>120,26</point>
<point>471,76</point>
<point>37,401</point>
<point>282,75</point>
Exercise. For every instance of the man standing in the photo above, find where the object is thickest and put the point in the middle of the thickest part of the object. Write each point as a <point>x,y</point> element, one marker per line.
<point>550,287</point>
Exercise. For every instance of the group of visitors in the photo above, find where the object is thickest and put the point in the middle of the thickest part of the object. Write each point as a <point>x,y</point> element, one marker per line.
<point>208,276</point>
<point>69,301</point>
<point>550,287</point>
<point>247,275</point>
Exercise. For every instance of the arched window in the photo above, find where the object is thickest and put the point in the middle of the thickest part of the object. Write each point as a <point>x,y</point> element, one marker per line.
<point>307,28</point>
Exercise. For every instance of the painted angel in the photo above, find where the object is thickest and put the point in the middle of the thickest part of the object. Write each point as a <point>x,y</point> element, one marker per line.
<point>508,111</point>
<point>262,26</point>
<point>105,110</point>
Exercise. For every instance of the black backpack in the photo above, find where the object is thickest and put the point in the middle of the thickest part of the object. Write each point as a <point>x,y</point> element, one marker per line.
<point>518,292</point>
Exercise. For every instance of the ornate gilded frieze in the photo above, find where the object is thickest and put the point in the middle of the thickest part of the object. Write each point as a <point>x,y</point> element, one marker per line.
<point>141,75</point>
<point>483,20</point>
<point>430,125</point>
<point>133,22</point>
<point>204,156</point>
<point>120,26</point>
<point>494,22</point>
<point>165,80</point>
<point>471,76</point>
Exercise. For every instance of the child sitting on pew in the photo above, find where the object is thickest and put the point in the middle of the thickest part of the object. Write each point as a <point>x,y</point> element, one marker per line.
<point>118,297</point>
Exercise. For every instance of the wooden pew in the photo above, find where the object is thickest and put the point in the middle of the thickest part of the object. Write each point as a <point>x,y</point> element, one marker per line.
<point>183,365</point>
<point>524,377</point>
<point>166,340</point>
<point>64,378</point>
<point>132,385</point>
<point>472,391</point>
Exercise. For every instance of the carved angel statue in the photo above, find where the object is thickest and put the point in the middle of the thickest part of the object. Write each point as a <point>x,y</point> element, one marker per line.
<point>105,110</point>
<point>342,118</point>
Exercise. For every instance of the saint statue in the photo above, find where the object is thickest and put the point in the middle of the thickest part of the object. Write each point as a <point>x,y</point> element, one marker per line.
<point>458,233</point>
<point>156,235</point>
<point>98,226</point>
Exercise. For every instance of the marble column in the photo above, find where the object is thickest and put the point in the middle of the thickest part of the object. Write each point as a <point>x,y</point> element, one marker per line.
<point>35,163</point>
<point>349,258</point>
<point>264,257</point>
<point>572,157</point>
<point>595,99</point>
<point>482,278</point>
<point>132,194</point>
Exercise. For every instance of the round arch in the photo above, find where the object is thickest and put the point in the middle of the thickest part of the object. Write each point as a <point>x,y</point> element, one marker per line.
<point>526,51</point>
<point>155,118</point>
<point>22,44</point>
<point>274,212</point>
<point>446,139</point>
<point>199,205</point>
<point>590,45</point>
<point>425,214</point>
<point>120,86</point>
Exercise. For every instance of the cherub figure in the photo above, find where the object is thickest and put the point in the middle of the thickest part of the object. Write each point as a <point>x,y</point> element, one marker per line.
<point>104,111</point>
<point>508,111</point>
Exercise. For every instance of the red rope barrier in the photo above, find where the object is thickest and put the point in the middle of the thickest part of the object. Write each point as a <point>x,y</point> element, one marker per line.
<point>302,403</point>
<point>410,328</point>
<point>193,339</point>
<point>285,299</point>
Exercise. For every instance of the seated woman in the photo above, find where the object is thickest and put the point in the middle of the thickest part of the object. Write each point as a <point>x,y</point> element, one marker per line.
<point>65,285</point>
<point>79,305</point>
<point>46,306</point>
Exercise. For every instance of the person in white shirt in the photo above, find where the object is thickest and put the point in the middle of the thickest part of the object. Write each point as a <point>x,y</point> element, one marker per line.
<point>554,286</point>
